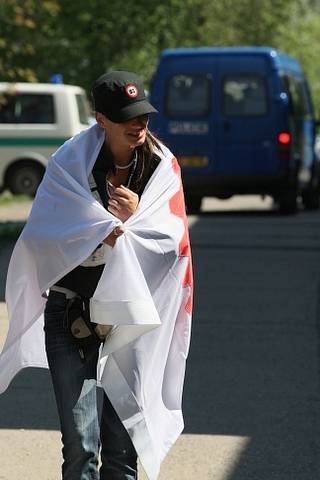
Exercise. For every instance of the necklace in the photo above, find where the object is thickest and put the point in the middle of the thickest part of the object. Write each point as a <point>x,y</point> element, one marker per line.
<point>124,167</point>
<point>111,187</point>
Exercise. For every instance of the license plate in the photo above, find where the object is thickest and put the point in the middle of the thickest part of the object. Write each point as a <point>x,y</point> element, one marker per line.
<point>193,161</point>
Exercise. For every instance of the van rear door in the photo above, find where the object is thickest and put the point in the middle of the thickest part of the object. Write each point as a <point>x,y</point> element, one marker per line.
<point>182,91</point>
<point>248,124</point>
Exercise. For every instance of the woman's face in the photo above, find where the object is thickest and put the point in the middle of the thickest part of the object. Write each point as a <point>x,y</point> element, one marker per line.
<point>129,135</point>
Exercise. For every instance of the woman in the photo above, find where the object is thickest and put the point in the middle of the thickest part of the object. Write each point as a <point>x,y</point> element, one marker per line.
<point>125,160</point>
<point>116,262</point>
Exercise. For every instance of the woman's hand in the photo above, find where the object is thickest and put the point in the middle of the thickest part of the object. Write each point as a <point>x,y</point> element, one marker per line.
<point>123,203</point>
<point>112,237</point>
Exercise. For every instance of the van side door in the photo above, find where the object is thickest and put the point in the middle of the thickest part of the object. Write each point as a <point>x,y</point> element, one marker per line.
<point>182,92</point>
<point>248,122</point>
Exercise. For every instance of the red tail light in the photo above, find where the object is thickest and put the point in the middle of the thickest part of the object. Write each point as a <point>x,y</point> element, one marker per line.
<point>284,138</point>
<point>284,142</point>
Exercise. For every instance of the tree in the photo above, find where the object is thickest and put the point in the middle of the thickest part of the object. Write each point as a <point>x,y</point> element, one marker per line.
<point>23,23</point>
<point>245,22</point>
<point>105,36</point>
<point>83,39</point>
<point>299,37</point>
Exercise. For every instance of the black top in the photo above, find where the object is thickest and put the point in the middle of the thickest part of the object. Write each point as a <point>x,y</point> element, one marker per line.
<point>84,280</point>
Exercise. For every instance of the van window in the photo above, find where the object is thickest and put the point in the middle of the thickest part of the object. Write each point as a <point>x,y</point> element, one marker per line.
<point>188,95</point>
<point>27,108</point>
<point>299,97</point>
<point>83,109</point>
<point>244,95</point>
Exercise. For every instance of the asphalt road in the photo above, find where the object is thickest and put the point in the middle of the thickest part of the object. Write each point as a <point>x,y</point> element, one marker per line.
<point>252,393</point>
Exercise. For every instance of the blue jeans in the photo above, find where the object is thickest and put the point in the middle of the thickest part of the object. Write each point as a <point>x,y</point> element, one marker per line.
<point>75,387</point>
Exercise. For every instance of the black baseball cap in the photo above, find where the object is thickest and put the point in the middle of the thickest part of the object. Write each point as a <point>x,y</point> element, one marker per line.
<point>120,96</point>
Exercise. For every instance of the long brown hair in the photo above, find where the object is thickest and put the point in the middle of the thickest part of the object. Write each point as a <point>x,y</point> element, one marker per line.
<point>148,161</point>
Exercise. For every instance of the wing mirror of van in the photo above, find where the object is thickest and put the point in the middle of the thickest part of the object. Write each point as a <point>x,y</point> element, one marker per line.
<point>317,123</point>
<point>282,98</point>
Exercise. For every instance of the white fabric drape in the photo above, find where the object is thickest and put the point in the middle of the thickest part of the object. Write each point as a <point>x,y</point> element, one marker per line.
<point>145,290</point>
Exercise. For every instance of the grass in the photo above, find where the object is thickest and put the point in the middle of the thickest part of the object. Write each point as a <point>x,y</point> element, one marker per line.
<point>6,198</point>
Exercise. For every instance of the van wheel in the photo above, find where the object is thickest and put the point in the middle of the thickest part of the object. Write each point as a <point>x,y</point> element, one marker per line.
<point>24,178</point>
<point>193,204</point>
<point>288,201</point>
<point>311,198</point>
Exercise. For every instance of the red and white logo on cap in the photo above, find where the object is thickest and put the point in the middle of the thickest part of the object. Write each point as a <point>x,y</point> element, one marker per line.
<point>131,90</point>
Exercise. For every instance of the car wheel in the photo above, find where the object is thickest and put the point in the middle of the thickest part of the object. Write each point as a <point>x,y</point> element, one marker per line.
<point>24,178</point>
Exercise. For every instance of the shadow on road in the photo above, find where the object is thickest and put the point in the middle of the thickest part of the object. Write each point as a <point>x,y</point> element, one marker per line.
<point>29,401</point>
<point>253,364</point>
<point>241,213</point>
<point>252,369</point>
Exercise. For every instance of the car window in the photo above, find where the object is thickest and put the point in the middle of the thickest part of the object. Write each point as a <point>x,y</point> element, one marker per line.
<point>244,95</point>
<point>188,95</point>
<point>27,108</point>
<point>83,109</point>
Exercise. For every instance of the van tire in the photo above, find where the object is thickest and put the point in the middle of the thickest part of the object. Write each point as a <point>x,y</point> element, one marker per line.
<point>311,199</point>
<point>193,204</point>
<point>24,177</point>
<point>311,195</point>
<point>287,201</point>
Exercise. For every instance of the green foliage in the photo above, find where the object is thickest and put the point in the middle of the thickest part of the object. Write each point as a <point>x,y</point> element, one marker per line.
<point>300,38</point>
<point>23,23</point>
<point>83,39</point>
<point>109,35</point>
<point>245,22</point>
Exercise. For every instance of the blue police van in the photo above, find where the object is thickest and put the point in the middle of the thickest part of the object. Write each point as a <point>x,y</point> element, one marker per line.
<point>240,121</point>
